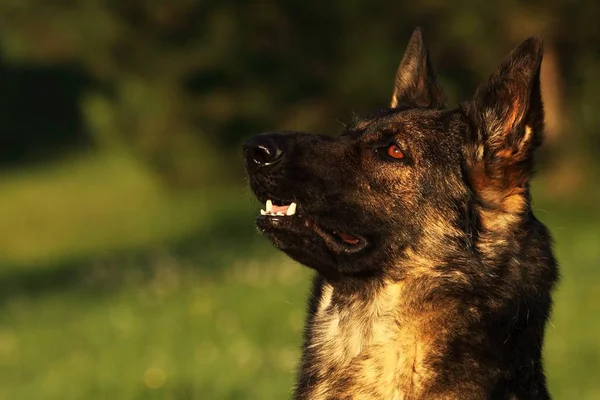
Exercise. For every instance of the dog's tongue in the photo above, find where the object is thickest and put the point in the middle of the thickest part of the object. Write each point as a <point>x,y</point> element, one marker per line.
<point>282,209</point>
<point>347,238</point>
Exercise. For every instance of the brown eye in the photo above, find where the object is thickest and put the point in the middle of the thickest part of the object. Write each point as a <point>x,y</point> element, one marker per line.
<point>395,152</point>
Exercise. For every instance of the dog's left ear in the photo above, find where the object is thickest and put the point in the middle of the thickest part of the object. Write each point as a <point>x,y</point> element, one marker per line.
<point>416,83</point>
<point>509,115</point>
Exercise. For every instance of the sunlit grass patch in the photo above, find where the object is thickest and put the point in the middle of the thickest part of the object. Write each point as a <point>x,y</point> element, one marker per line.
<point>86,206</point>
<point>203,307</point>
<point>175,333</point>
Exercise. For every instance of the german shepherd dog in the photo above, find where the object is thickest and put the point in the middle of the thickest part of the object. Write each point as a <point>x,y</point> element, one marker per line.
<point>434,277</point>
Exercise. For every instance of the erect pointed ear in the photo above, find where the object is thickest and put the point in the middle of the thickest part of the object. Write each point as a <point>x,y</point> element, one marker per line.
<point>508,117</point>
<point>416,84</point>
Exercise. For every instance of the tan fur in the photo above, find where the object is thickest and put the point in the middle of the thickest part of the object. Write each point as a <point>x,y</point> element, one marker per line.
<point>514,116</point>
<point>403,78</point>
<point>505,199</point>
<point>371,342</point>
<point>506,210</point>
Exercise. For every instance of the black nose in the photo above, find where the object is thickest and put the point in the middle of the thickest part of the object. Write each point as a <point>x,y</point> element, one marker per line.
<point>262,151</point>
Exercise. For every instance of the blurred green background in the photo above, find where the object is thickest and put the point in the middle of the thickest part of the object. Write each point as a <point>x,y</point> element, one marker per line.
<point>129,263</point>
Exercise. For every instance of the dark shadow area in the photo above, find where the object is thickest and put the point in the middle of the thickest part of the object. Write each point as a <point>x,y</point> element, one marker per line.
<point>40,112</point>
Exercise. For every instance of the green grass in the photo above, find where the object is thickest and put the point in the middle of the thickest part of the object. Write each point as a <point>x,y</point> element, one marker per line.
<point>113,288</point>
<point>572,351</point>
<point>171,333</point>
<point>104,202</point>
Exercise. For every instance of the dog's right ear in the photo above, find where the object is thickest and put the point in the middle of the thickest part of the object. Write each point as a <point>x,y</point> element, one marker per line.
<point>416,83</point>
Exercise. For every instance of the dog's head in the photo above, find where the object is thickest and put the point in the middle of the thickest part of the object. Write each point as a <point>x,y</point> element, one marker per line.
<point>409,181</point>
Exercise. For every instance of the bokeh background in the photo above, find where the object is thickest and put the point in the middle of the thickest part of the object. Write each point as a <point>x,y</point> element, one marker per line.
<point>129,263</point>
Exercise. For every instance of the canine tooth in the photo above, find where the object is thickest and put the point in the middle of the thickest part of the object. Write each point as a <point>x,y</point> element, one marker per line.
<point>291,209</point>
<point>269,205</point>
<point>280,214</point>
<point>263,212</point>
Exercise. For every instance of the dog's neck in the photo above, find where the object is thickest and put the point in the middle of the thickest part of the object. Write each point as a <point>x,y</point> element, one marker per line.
<point>399,339</point>
<point>360,345</point>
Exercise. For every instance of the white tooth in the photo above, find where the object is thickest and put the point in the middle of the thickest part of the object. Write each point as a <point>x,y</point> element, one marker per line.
<point>263,212</point>
<point>291,209</point>
<point>280,214</point>
<point>273,214</point>
<point>269,205</point>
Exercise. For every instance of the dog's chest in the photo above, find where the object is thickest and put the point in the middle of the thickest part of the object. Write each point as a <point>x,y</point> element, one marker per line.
<point>362,348</point>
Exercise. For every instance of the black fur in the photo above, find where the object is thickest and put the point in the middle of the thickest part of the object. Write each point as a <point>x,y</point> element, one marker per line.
<point>445,236</point>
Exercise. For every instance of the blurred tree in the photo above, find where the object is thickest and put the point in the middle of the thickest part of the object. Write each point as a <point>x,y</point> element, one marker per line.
<point>183,81</point>
<point>39,112</point>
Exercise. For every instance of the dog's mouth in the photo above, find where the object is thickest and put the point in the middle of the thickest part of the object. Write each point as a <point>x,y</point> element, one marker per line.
<point>290,217</point>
